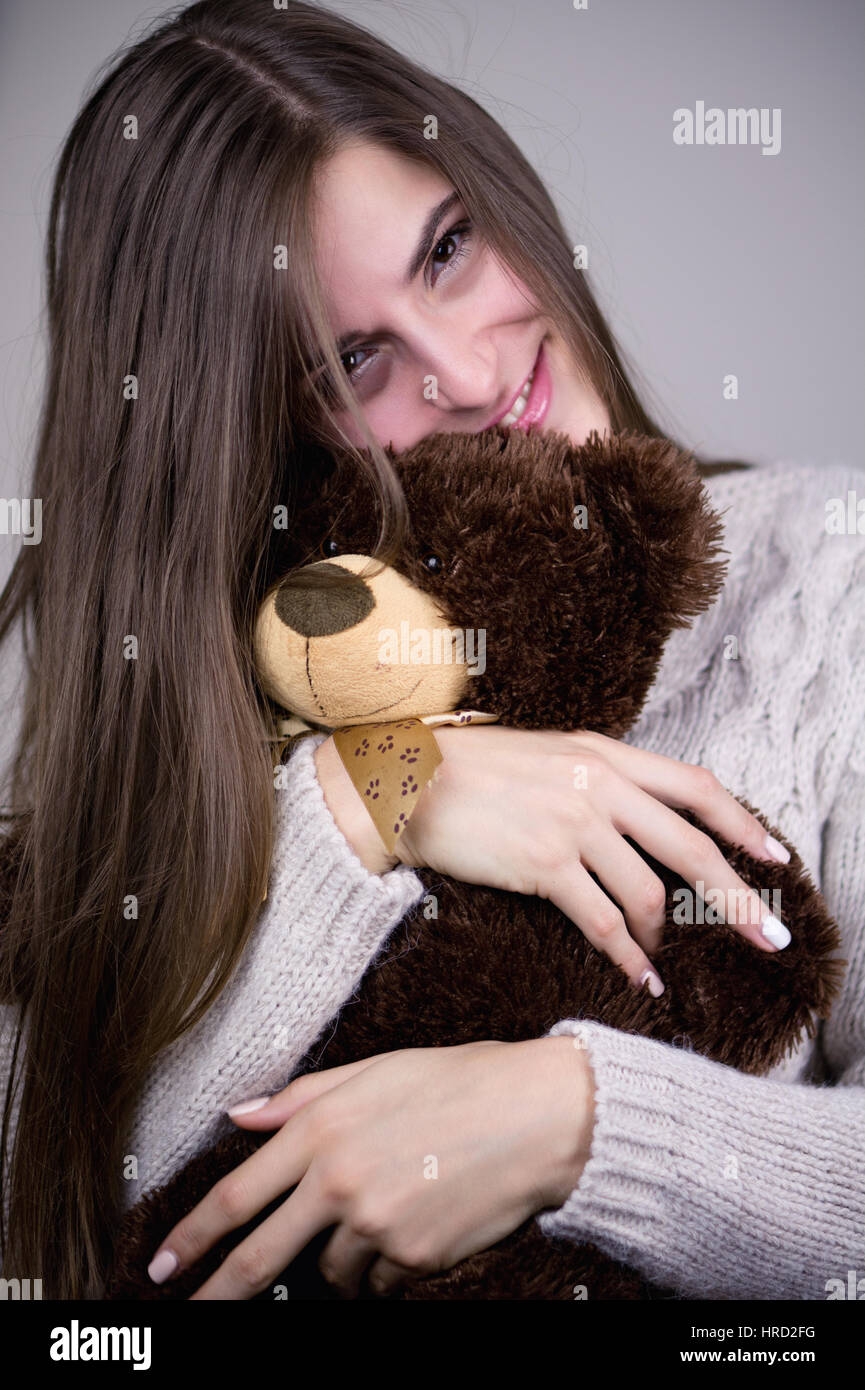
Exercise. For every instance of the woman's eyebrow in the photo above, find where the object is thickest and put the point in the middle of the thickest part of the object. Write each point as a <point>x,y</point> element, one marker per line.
<point>428,231</point>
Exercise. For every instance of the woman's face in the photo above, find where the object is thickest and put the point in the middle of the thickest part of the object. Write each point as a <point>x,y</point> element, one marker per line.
<point>435,334</point>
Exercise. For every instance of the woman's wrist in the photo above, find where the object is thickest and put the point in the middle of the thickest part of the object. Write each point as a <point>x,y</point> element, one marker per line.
<point>349,812</point>
<point>570,1085</point>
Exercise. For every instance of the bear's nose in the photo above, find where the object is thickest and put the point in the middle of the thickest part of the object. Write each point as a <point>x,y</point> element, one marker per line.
<point>318,610</point>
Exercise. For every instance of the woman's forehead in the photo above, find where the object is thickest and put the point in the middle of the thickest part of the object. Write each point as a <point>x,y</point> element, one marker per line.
<point>370,208</point>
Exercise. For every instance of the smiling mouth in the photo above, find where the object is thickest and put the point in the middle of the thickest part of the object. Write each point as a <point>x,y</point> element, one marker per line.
<point>532,403</point>
<point>521,401</point>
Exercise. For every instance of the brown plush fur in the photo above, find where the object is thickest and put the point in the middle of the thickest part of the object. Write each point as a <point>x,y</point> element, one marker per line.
<point>576,621</point>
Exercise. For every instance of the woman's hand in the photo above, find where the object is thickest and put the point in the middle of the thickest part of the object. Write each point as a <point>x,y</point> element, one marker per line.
<point>539,812</point>
<point>419,1158</point>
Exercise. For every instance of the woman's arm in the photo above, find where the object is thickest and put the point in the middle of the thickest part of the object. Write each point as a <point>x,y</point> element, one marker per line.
<point>502,812</point>
<point>714,1183</point>
<point>724,1185</point>
<point>348,810</point>
<point>334,1161</point>
<point>324,919</point>
<point>359,1144</point>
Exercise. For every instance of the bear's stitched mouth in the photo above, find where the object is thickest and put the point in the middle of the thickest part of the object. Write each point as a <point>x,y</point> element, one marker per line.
<point>407,695</point>
<point>367,713</point>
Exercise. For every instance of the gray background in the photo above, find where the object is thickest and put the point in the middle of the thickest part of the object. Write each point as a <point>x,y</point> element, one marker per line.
<point>706,259</point>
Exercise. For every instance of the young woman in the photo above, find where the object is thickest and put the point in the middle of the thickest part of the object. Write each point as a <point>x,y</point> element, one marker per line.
<point>254,247</point>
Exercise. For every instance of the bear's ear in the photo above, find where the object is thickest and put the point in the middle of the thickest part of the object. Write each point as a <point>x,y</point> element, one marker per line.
<point>650,499</point>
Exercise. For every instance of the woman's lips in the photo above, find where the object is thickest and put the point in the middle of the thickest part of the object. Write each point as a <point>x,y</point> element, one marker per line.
<point>525,411</point>
<point>540,395</point>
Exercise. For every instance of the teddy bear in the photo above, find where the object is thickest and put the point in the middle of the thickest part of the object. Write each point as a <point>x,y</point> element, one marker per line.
<point>575,563</point>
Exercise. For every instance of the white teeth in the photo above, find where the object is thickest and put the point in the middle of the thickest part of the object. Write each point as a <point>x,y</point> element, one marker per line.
<point>519,404</point>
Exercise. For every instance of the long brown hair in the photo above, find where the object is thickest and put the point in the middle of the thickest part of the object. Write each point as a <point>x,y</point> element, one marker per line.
<point>179,410</point>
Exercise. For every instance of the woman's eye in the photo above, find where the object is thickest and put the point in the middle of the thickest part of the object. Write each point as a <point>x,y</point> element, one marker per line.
<point>433,563</point>
<point>351,352</point>
<point>459,237</point>
<point>462,233</point>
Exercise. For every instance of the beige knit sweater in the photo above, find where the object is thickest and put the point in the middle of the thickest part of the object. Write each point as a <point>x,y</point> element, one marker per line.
<point>716,1184</point>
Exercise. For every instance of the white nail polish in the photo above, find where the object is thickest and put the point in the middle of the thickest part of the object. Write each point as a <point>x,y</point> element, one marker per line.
<point>247,1106</point>
<point>656,988</point>
<point>777,850</point>
<point>776,932</point>
<point>162,1265</point>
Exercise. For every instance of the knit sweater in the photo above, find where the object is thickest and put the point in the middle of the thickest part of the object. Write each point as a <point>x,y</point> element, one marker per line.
<point>708,1181</point>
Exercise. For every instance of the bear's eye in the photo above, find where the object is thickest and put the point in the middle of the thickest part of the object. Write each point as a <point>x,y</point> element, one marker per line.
<point>433,563</point>
<point>330,547</point>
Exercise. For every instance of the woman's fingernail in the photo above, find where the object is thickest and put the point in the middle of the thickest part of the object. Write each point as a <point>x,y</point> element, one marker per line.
<point>777,850</point>
<point>776,932</point>
<point>656,986</point>
<point>247,1105</point>
<point>163,1264</point>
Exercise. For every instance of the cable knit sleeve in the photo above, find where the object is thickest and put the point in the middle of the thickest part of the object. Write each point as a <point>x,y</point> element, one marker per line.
<point>721,1185</point>
<point>324,919</point>
<point>717,1184</point>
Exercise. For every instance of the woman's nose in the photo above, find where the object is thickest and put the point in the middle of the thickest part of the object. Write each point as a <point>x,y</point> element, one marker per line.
<point>462,374</point>
<point>466,385</point>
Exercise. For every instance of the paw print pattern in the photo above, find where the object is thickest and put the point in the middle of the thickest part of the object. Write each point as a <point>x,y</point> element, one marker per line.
<point>400,755</point>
